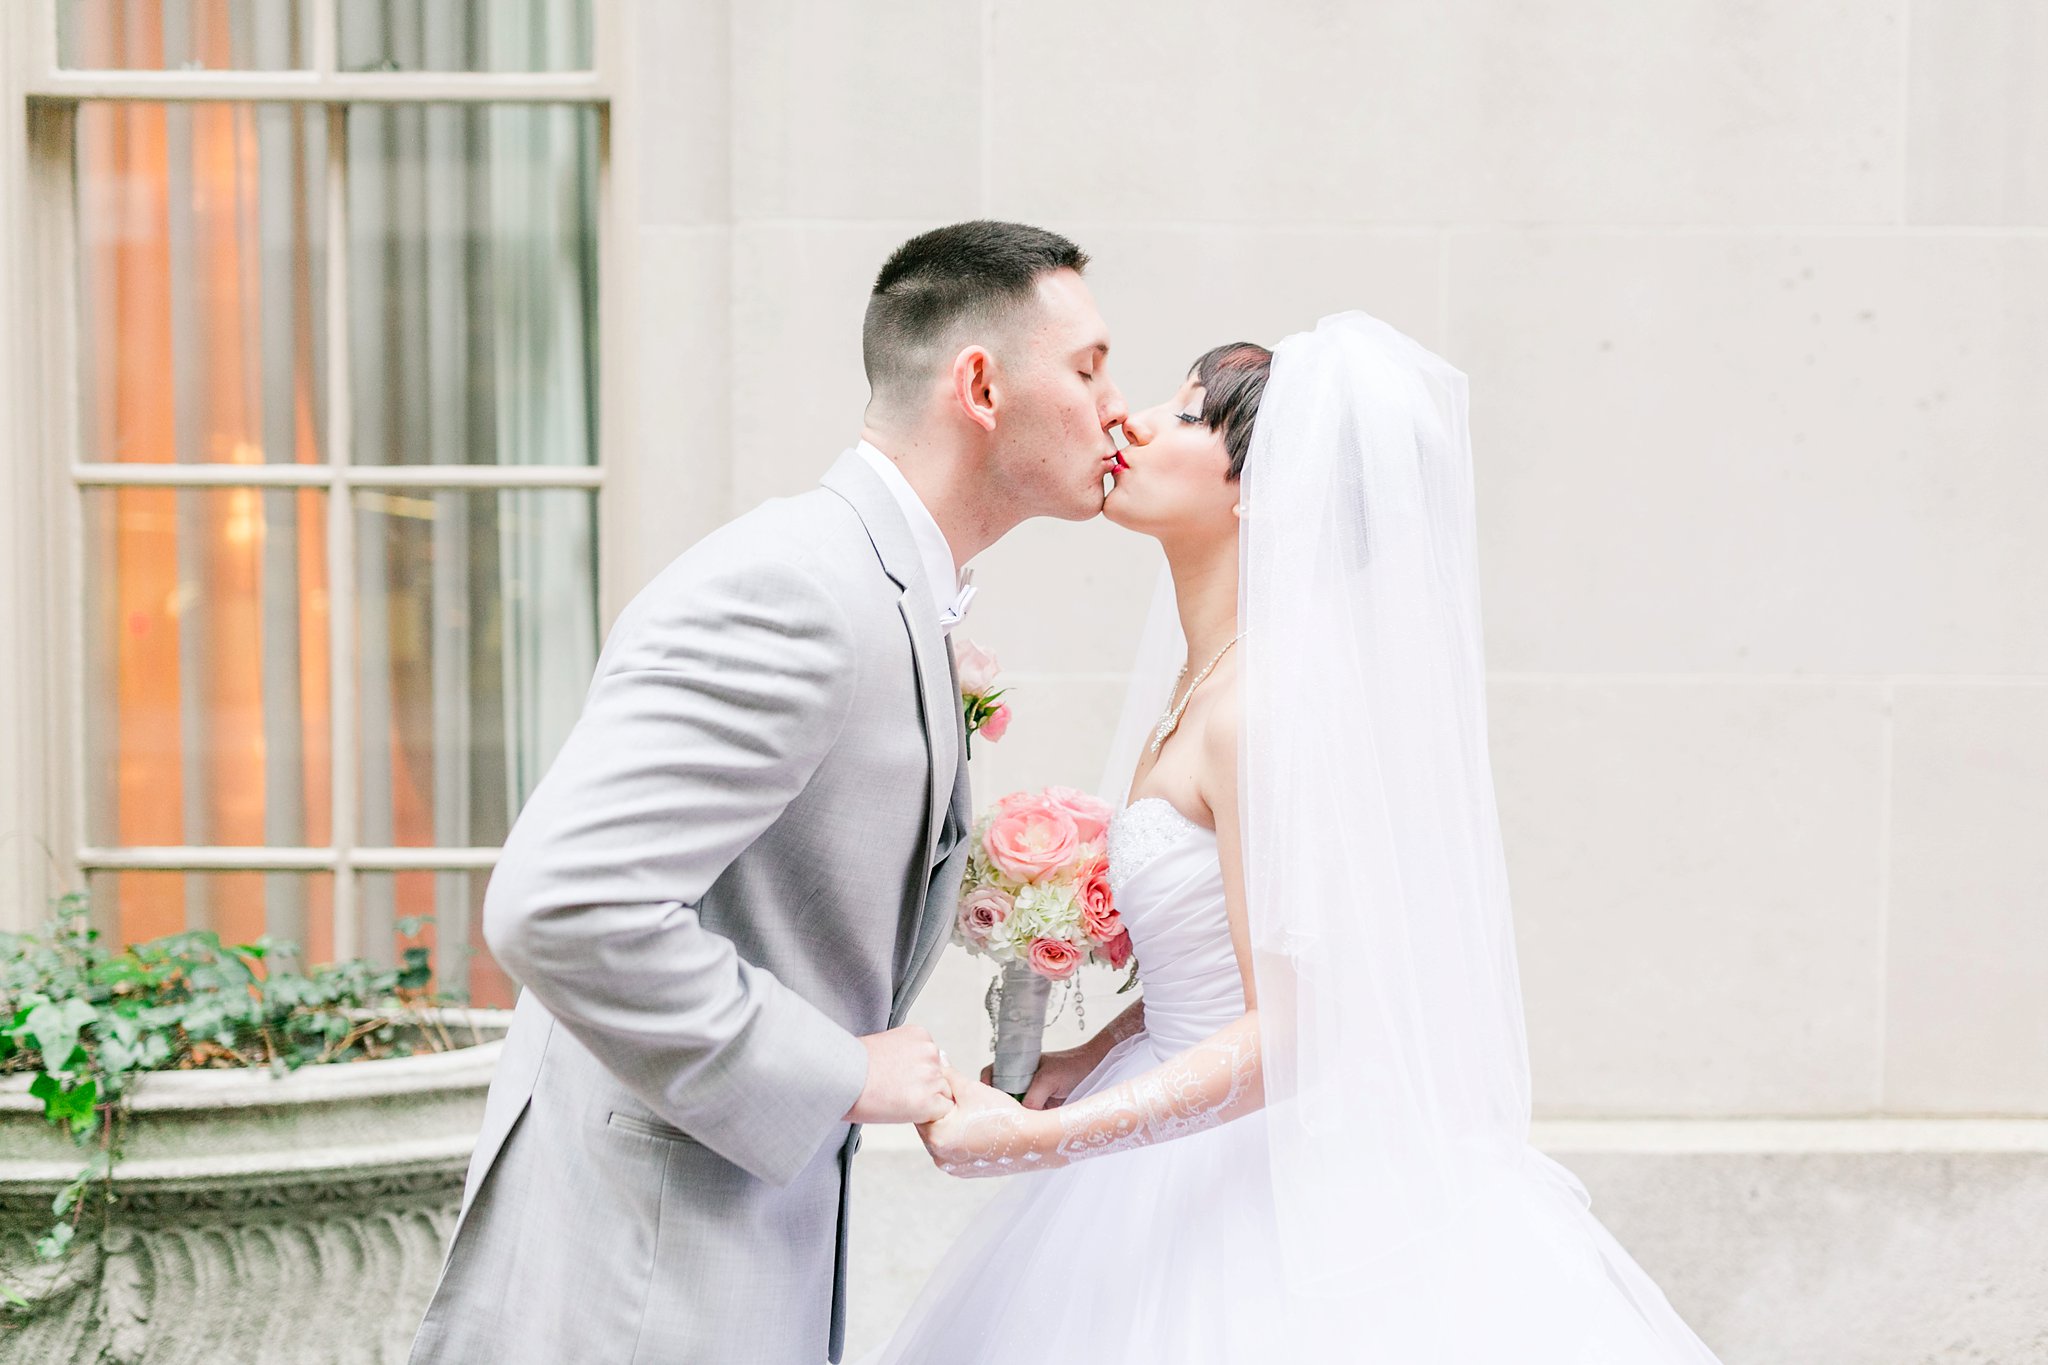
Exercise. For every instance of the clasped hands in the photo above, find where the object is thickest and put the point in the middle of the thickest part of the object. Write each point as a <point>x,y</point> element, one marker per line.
<point>960,1119</point>
<point>910,1081</point>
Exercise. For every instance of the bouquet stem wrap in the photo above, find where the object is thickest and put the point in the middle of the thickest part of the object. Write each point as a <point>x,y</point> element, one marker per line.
<point>1020,1026</point>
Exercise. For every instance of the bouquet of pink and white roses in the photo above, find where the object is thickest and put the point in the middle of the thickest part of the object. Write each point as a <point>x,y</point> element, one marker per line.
<point>1037,885</point>
<point>1036,899</point>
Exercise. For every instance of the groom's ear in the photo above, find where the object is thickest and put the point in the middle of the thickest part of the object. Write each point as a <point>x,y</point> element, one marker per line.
<point>974,386</point>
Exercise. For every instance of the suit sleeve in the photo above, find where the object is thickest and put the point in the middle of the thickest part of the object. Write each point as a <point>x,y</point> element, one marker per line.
<point>709,714</point>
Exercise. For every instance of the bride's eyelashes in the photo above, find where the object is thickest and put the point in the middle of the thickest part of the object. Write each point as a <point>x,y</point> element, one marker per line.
<point>1191,419</point>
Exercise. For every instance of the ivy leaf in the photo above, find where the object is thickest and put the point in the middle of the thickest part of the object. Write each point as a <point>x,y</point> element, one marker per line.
<point>66,1104</point>
<point>92,1018</point>
<point>418,970</point>
<point>55,1030</point>
<point>52,1246</point>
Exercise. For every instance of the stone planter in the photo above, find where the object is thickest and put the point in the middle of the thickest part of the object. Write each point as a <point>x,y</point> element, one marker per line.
<point>284,1219</point>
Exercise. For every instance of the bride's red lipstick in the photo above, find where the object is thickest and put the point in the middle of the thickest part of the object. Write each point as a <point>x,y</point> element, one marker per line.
<point>1119,443</point>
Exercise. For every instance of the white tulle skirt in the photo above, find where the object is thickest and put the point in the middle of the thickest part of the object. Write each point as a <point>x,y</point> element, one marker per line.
<point>1165,1253</point>
<point>1170,1255</point>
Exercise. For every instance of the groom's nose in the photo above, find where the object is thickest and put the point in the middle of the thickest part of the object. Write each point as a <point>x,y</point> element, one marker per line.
<point>1114,409</point>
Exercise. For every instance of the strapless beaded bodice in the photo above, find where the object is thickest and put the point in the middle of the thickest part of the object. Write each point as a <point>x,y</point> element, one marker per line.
<point>1168,883</point>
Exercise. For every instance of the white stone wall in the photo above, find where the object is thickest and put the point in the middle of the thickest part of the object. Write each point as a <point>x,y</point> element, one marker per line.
<point>1754,300</point>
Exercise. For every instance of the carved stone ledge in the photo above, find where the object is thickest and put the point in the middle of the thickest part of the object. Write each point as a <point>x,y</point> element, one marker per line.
<point>288,1220</point>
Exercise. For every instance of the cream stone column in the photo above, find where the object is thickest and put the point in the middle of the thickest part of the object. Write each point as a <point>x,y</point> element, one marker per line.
<point>666,358</point>
<point>34,621</point>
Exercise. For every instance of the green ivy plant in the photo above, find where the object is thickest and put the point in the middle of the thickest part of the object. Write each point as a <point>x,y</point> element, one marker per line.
<point>87,1019</point>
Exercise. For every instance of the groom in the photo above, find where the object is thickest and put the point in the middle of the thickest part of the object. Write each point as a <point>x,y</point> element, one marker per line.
<point>729,887</point>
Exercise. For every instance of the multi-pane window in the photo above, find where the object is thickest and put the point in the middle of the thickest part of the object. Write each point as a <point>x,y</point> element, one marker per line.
<point>332,288</point>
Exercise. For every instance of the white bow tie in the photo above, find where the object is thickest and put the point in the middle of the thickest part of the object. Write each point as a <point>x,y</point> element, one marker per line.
<point>954,612</point>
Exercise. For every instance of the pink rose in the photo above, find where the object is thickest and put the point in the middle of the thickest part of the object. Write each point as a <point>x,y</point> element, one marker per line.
<point>978,668</point>
<point>997,722</point>
<point>1090,816</point>
<point>1098,906</point>
<point>1029,839</point>
<point>1118,950</point>
<point>981,910</point>
<point>1054,958</point>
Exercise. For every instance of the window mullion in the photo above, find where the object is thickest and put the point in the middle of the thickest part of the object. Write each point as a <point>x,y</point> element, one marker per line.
<point>326,34</point>
<point>207,858</point>
<point>306,87</point>
<point>340,545</point>
<point>142,474</point>
<point>42,53</point>
<point>281,858</point>
<point>606,34</point>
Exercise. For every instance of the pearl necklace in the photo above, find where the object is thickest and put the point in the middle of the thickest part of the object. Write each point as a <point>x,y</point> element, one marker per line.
<point>1170,721</point>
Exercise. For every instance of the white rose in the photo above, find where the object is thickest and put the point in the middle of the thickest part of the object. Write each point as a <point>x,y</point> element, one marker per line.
<point>978,668</point>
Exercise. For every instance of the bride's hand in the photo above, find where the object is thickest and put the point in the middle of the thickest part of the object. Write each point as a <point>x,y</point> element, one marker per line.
<point>986,1133</point>
<point>1057,1075</point>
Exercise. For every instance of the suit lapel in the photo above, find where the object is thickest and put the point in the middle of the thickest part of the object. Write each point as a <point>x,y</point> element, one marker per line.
<point>941,708</point>
<point>940,892</point>
<point>938,693</point>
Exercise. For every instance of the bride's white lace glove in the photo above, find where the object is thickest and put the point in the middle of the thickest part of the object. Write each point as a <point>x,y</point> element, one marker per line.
<point>988,1133</point>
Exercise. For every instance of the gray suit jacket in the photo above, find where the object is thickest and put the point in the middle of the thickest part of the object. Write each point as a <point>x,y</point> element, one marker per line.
<point>746,853</point>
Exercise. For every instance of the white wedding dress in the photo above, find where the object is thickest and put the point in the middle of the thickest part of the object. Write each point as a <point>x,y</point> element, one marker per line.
<point>1169,1254</point>
<point>1166,1253</point>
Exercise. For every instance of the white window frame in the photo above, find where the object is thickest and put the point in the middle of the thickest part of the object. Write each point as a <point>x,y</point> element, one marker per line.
<point>43,481</point>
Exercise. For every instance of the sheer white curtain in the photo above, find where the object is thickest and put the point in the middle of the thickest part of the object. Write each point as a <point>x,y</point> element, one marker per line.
<point>543,178</point>
<point>199,269</point>
<point>473,292</point>
<point>470,247</point>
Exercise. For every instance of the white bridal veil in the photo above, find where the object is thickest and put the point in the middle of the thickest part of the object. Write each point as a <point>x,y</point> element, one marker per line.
<point>1419,1227</point>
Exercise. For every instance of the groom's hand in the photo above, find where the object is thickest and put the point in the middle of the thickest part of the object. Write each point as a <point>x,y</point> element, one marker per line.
<point>907,1080</point>
<point>988,1133</point>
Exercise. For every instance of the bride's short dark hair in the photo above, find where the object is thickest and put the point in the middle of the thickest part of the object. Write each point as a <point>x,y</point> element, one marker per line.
<point>1233,380</point>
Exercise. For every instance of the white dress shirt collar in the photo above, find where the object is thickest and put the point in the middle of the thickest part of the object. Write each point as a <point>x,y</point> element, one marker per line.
<point>933,552</point>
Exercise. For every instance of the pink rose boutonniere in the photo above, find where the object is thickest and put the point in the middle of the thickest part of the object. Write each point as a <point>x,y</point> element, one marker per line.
<point>980,696</point>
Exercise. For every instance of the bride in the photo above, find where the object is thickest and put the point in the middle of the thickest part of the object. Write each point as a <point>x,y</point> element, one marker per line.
<point>1309,1141</point>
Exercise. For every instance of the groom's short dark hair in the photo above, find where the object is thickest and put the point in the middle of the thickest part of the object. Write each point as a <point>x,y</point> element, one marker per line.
<point>978,269</point>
